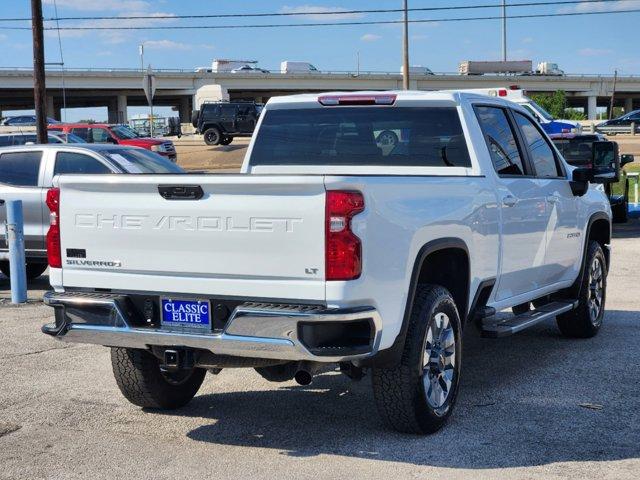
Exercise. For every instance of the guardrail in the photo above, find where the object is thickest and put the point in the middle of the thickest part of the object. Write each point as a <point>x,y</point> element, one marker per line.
<point>632,129</point>
<point>15,240</point>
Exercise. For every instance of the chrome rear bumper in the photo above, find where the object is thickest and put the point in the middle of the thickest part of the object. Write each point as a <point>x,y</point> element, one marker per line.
<point>254,330</point>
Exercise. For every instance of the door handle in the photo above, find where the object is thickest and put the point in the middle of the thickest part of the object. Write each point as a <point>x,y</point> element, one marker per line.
<point>552,199</point>
<point>181,192</point>
<point>509,200</point>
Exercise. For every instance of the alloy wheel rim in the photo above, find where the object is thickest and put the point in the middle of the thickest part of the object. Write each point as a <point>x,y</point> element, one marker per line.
<point>596,290</point>
<point>439,360</point>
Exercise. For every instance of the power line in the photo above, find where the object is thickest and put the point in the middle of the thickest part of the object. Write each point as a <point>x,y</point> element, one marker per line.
<point>320,13</point>
<point>334,24</point>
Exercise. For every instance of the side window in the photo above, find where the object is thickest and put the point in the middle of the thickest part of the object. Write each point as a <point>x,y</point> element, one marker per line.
<point>71,162</point>
<point>99,135</point>
<point>83,133</point>
<point>20,168</point>
<point>542,156</point>
<point>228,111</point>
<point>500,140</point>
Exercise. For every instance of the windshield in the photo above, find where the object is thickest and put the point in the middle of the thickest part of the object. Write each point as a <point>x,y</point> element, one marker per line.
<point>138,160</point>
<point>538,110</point>
<point>395,136</point>
<point>123,132</point>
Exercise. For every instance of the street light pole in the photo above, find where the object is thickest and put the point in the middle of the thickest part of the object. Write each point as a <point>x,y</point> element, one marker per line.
<point>39,88</point>
<point>504,30</point>
<point>141,50</point>
<point>405,48</point>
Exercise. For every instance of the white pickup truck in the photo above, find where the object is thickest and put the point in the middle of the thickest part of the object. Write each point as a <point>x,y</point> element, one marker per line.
<point>332,248</point>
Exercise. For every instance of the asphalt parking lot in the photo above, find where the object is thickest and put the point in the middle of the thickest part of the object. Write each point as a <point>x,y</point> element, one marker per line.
<point>532,406</point>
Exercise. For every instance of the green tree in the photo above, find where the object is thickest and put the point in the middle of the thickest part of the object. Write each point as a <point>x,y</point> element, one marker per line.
<point>556,104</point>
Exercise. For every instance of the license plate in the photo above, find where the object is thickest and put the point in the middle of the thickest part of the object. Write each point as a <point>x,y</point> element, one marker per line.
<point>183,313</point>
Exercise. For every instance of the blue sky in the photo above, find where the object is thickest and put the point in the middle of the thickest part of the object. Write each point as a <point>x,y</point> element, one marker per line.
<point>590,44</point>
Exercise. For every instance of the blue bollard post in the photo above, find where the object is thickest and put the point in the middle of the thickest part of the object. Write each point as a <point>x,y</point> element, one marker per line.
<point>15,239</point>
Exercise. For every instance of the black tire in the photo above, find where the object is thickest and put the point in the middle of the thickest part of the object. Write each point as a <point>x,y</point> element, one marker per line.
<point>583,321</point>
<point>226,140</point>
<point>212,136</point>
<point>195,116</point>
<point>400,394</point>
<point>278,373</point>
<point>620,212</point>
<point>138,375</point>
<point>522,308</point>
<point>34,270</point>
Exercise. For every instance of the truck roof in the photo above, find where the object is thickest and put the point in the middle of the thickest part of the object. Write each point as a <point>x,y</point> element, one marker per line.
<point>406,95</point>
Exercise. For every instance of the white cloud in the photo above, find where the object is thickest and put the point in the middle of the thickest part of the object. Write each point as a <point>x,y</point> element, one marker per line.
<point>594,52</point>
<point>370,37</point>
<point>311,9</point>
<point>101,5</point>
<point>527,40</point>
<point>602,7</point>
<point>171,45</point>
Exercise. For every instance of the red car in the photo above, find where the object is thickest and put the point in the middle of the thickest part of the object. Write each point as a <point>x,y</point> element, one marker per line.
<point>116,134</point>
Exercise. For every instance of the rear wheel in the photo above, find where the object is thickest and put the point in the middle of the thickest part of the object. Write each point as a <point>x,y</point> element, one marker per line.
<point>212,136</point>
<point>34,270</point>
<point>417,395</point>
<point>586,319</point>
<point>620,212</point>
<point>138,375</point>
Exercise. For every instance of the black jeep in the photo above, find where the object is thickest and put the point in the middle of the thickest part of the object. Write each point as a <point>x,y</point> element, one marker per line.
<point>219,122</point>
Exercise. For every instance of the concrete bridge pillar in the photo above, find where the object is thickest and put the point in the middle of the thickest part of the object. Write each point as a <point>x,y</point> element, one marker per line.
<point>628,105</point>
<point>592,107</point>
<point>50,106</point>
<point>184,110</point>
<point>122,108</point>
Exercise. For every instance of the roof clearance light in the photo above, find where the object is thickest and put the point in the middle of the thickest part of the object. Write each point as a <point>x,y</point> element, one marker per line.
<point>514,87</point>
<point>502,92</point>
<point>333,100</point>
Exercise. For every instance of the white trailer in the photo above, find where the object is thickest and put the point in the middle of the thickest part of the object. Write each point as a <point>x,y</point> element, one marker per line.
<point>471,67</point>
<point>549,68</point>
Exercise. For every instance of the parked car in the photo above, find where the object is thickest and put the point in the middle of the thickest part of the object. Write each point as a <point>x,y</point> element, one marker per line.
<point>249,69</point>
<point>623,121</point>
<point>577,150</point>
<point>23,138</point>
<point>118,135</point>
<point>220,122</point>
<point>27,172</point>
<point>24,121</point>
<point>328,249</point>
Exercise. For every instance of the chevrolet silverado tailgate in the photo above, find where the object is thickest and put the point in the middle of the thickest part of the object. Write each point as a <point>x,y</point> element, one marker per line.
<point>247,236</point>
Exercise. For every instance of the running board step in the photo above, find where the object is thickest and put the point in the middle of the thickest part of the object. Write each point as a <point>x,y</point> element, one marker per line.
<point>496,328</point>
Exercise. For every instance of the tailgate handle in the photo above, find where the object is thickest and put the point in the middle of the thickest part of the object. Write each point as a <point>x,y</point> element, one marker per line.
<point>181,192</point>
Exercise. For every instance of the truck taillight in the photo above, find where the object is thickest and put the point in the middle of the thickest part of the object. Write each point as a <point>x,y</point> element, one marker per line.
<point>54,254</point>
<point>343,250</point>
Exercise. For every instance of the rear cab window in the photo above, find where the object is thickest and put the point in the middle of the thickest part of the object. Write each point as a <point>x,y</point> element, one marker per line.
<point>20,169</point>
<point>384,136</point>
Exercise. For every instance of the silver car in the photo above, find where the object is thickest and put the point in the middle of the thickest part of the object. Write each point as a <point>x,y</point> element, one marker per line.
<point>26,173</point>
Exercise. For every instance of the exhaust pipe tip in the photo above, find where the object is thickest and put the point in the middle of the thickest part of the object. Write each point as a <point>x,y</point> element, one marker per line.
<point>303,377</point>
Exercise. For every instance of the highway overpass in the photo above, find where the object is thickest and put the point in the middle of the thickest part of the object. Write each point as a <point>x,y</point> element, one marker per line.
<point>118,88</point>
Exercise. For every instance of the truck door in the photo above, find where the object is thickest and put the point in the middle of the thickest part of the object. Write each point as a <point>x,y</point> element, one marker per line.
<point>20,178</point>
<point>563,238</point>
<point>522,207</point>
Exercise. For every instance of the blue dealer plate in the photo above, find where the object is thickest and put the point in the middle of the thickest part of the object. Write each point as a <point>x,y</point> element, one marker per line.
<point>186,313</point>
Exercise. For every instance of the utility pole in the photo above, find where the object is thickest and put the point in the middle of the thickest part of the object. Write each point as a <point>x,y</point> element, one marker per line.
<point>405,48</point>
<point>504,30</point>
<point>39,88</point>
<point>141,51</point>
<point>613,93</point>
